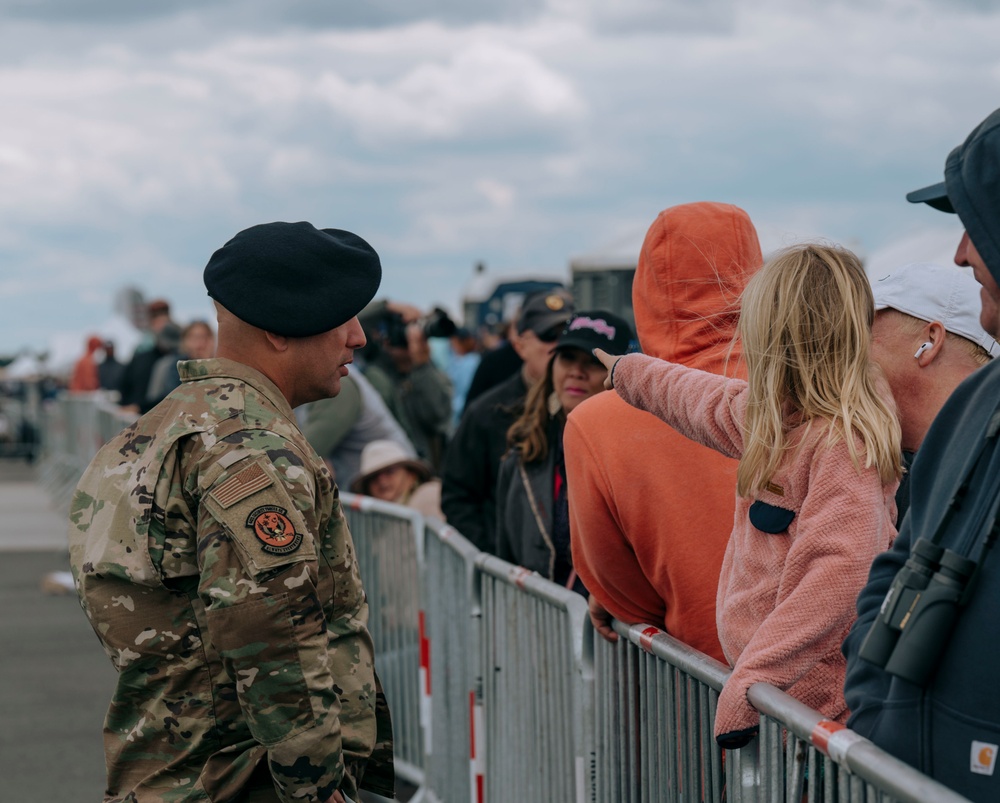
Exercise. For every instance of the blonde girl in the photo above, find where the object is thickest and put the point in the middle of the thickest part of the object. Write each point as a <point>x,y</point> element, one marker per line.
<point>816,435</point>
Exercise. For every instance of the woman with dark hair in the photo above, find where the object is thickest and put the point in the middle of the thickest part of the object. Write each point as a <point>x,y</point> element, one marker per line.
<point>532,509</point>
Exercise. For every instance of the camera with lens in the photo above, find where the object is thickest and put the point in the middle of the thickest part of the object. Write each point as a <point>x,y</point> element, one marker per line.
<point>435,324</point>
<point>918,612</point>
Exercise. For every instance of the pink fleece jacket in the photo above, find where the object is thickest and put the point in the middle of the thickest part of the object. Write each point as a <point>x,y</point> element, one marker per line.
<point>785,600</point>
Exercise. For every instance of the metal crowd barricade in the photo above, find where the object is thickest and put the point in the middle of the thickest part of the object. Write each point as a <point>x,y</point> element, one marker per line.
<point>804,757</point>
<point>74,427</point>
<point>451,620</point>
<point>537,695</point>
<point>655,707</point>
<point>388,539</point>
<point>500,689</point>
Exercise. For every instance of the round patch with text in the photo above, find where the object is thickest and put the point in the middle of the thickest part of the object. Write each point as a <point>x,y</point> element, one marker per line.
<point>274,529</point>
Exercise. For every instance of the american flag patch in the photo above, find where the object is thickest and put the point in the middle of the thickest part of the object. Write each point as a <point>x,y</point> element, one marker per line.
<point>247,482</point>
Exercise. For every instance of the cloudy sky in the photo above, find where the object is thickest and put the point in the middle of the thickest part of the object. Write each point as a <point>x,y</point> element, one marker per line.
<point>138,137</point>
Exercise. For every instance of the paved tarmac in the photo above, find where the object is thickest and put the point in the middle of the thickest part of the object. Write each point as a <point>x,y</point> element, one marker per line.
<point>55,680</point>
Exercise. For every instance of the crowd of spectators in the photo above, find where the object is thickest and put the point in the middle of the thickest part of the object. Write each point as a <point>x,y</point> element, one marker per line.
<point>803,412</point>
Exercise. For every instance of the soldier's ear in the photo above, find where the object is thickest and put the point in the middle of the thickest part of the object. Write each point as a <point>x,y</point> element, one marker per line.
<point>278,342</point>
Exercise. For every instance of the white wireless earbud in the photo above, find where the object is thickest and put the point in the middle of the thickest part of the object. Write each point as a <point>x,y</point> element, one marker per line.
<point>922,349</point>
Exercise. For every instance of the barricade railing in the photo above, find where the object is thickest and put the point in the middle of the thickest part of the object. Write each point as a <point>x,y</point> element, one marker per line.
<point>74,427</point>
<point>537,698</point>
<point>655,705</point>
<point>388,539</point>
<point>451,619</point>
<point>804,757</point>
<point>20,412</point>
<point>501,690</point>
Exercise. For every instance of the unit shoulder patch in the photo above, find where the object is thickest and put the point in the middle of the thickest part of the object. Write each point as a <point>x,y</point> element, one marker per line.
<point>274,529</point>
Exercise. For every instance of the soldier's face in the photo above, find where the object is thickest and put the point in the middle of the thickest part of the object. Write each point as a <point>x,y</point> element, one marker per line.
<point>319,362</point>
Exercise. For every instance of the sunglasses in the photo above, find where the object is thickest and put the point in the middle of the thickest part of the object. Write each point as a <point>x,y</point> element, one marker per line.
<point>550,335</point>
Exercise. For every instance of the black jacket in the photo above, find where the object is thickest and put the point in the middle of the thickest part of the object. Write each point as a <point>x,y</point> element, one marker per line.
<point>494,367</point>
<point>950,726</point>
<point>521,538</point>
<point>472,462</point>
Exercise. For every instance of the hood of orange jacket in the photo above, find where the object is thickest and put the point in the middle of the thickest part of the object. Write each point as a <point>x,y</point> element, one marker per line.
<point>694,264</point>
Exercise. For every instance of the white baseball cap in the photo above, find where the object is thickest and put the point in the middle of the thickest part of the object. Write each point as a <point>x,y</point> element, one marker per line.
<point>936,293</point>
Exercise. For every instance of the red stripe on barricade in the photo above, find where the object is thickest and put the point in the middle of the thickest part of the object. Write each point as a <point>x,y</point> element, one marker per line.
<point>472,725</point>
<point>517,576</point>
<point>475,760</point>
<point>822,732</point>
<point>356,503</point>
<point>425,651</point>
<point>646,638</point>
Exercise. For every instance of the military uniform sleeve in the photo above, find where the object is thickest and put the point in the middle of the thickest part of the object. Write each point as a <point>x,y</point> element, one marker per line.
<point>260,541</point>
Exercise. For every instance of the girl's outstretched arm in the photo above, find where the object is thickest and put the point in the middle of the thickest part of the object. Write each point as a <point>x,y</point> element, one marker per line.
<point>705,407</point>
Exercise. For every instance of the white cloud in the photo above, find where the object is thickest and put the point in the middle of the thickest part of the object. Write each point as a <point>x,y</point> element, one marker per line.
<point>479,91</point>
<point>130,151</point>
<point>496,192</point>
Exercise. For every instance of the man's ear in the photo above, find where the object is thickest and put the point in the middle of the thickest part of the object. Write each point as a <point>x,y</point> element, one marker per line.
<point>278,342</point>
<point>933,333</point>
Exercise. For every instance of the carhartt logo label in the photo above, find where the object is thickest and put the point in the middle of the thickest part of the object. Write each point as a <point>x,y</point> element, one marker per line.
<point>984,758</point>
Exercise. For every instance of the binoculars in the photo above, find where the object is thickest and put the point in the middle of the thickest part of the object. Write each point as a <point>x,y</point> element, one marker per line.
<point>918,612</point>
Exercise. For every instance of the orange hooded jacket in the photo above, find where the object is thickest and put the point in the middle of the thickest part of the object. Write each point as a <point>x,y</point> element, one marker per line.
<point>651,511</point>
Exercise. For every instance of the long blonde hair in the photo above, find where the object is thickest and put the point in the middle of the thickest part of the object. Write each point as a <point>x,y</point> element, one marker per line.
<point>806,325</point>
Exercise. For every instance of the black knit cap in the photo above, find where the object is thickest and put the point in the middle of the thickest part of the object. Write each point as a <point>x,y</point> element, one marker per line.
<point>293,279</point>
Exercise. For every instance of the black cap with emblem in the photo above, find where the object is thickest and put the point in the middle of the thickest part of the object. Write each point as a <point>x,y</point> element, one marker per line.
<point>293,279</point>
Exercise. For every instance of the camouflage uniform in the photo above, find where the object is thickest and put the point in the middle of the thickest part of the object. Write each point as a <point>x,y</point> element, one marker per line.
<point>214,562</point>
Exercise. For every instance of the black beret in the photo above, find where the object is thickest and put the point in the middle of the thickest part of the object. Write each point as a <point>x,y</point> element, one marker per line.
<point>294,279</point>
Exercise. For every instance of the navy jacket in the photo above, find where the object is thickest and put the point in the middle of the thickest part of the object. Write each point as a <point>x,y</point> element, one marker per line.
<point>949,729</point>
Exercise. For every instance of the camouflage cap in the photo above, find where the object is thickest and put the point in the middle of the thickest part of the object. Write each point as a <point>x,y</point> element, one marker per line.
<point>294,279</point>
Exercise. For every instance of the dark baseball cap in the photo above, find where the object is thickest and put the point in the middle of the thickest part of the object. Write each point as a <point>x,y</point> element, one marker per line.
<point>545,312</point>
<point>971,189</point>
<point>596,329</point>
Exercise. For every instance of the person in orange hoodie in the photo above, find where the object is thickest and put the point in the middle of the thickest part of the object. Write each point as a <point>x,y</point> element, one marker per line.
<point>651,511</point>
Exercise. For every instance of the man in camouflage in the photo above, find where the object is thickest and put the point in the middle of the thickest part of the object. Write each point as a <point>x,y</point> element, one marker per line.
<point>214,562</point>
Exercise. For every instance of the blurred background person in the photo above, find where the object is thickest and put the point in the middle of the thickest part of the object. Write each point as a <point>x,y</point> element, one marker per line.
<point>532,509</point>
<point>197,342</point>
<point>109,370</point>
<point>135,379</point>
<point>463,360</point>
<point>340,428</point>
<point>391,473</point>
<point>498,362</point>
<point>84,378</point>
<point>472,463</point>
<point>397,362</point>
